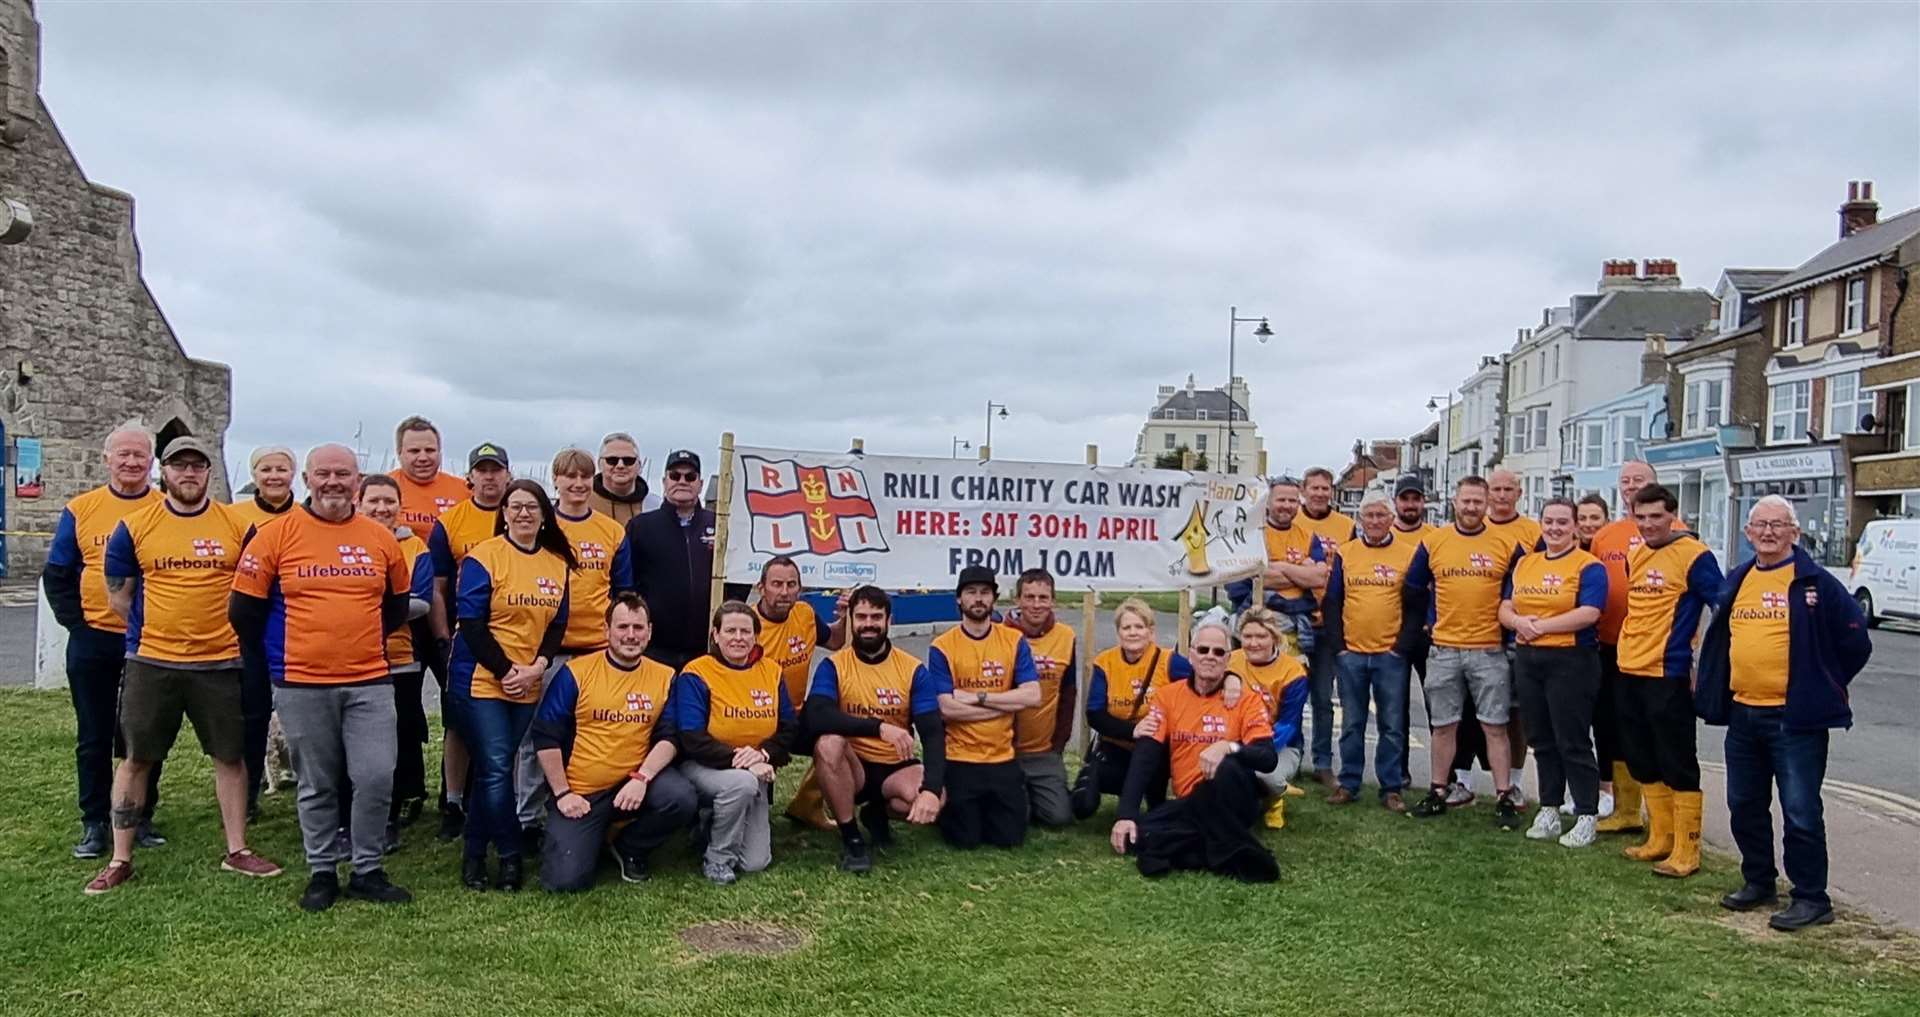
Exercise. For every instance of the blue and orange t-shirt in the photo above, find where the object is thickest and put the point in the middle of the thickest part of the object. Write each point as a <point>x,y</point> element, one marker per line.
<point>1295,544</point>
<point>737,706</point>
<point>80,543</point>
<point>1757,656</point>
<point>599,546</point>
<point>420,567</point>
<point>1546,585</point>
<point>1462,574</point>
<point>255,513</point>
<point>1034,727</point>
<point>325,584</point>
<point>1667,589</point>
<point>520,594</point>
<point>1333,529</point>
<point>1281,685</point>
<point>1366,582</point>
<point>999,661</point>
<point>790,643</point>
<point>1190,722</point>
<point>893,691</point>
<point>182,565</point>
<point>606,717</point>
<point>422,504</point>
<point>456,533</point>
<point>1522,530</point>
<point>1123,687</point>
<point>1613,544</point>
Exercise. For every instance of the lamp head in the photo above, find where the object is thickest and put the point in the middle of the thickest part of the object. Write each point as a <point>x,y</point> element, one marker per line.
<point>1264,332</point>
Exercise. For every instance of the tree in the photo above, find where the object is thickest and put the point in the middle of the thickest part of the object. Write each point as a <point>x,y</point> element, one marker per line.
<point>1176,460</point>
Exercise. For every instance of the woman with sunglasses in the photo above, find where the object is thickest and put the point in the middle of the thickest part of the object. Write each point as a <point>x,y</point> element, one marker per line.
<point>1124,680</point>
<point>511,608</point>
<point>735,726</point>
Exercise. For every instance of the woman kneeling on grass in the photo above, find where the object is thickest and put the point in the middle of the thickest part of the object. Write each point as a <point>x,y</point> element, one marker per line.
<point>1124,679</point>
<point>1215,753</point>
<point>735,725</point>
<point>1550,601</point>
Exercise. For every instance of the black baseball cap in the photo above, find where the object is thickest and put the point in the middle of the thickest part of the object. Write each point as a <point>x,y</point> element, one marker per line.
<point>683,457</point>
<point>977,575</point>
<point>487,452</point>
<point>1409,482</point>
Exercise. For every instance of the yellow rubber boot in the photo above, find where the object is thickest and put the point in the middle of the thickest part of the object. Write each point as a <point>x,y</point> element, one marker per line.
<point>809,806</point>
<point>1659,842</point>
<point>1277,813</point>
<point>1685,859</point>
<point>1626,804</point>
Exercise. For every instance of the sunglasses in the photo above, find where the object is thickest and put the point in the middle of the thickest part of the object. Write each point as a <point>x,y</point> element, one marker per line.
<point>619,460</point>
<point>687,476</point>
<point>1210,651</point>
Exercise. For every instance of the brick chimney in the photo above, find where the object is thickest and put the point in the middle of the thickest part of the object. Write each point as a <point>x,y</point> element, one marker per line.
<point>1653,359</point>
<point>1860,211</point>
<point>1617,273</point>
<point>1660,273</point>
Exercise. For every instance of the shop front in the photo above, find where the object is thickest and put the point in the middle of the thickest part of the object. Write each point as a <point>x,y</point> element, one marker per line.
<point>1812,479</point>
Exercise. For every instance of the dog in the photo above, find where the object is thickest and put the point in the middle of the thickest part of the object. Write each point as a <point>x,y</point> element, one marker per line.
<point>279,768</point>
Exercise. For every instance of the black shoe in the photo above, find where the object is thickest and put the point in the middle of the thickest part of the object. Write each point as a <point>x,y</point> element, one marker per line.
<point>94,841</point>
<point>855,857</point>
<point>511,874</point>
<point>532,838</point>
<point>1800,914</point>
<point>1506,814</point>
<point>879,825</point>
<point>1750,897</point>
<point>453,822</point>
<point>633,868</point>
<point>322,890</point>
<point>147,837</point>
<point>375,887</point>
<point>1434,804</point>
<point>391,842</point>
<point>473,872</point>
<point>410,812</point>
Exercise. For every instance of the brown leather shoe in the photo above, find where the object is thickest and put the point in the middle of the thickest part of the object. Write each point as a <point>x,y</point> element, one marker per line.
<point>1326,779</point>
<point>1341,796</point>
<point>109,878</point>
<point>1392,802</point>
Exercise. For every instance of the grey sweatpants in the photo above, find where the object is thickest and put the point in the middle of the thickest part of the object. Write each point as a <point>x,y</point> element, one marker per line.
<point>336,735</point>
<point>1275,780</point>
<point>1046,777</point>
<point>741,838</point>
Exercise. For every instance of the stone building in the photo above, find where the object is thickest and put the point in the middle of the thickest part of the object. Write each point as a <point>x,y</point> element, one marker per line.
<point>1211,422</point>
<point>83,345</point>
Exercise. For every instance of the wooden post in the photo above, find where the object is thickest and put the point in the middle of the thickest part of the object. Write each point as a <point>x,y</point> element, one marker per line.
<point>985,453</point>
<point>1263,462</point>
<point>722,508</point>
<point>1089,612</point>
<point>1260,577</point>
<point>1183,623</point>
<point>859,445</point>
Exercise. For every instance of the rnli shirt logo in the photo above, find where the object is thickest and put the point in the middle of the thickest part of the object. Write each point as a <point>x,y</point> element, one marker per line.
<point>547,587</point>
<point>1480,561</point>
<point>796,646</point>
<point>1551,582</point>
<point>1656,579</point>
<point>208,548</point>
<point>443,504</point>
<point>1385,572</point>
<point>993,669</point>
<point>1210,724</point>
<point>761,698</point>
<point>353,554</point>
<point>590,551</point>
<point>887,697</point>
<point>1772,599</point>
<point>1048,667</point>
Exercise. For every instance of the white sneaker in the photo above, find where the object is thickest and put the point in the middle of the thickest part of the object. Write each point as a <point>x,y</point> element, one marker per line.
<point>1459,795</point>
<point>1606,805</point>
<point>1582,833</point>
<point>1566,808</point>
<point>1518,791</point>
<point>1546,825</point>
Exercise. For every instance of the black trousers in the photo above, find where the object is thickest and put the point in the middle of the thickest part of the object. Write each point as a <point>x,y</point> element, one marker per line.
<point>410,722</point>
<point>573,846</point>
<point>256,716</point>
<point>1209,830</point>
<point>96,661</point>
<point>1105,773</point>
<point>1606,714</point>
<point>1656,730</point>
<point>986,804</point>
<point>1557,687</point>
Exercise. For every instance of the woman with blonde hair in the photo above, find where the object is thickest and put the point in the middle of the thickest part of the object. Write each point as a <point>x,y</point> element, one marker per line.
<point>1124,680</point>
<point>1279,679</point>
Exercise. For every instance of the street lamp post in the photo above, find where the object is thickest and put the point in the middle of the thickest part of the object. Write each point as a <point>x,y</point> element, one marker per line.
<point>991,406</point>
<point>1446,437</point>
<point>1264,332</point>
<point>958,444</point>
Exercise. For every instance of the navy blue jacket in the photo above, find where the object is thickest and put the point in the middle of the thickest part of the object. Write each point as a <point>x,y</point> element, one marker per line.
<point>1827,644</point>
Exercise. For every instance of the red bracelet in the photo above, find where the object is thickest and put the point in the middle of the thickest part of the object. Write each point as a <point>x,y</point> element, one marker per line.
<point>641,776</point>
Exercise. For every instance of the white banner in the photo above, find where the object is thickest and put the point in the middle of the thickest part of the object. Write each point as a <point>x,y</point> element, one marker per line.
<point>904,523</point>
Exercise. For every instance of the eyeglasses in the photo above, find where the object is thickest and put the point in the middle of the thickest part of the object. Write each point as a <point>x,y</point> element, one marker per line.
<point>1210,651</point>
<point>1772,525</point>
<point>619,460</point>
<point>684,476</point>
<point>522,510</point>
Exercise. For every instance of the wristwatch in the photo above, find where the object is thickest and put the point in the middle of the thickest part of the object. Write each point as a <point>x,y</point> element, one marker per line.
<point>980,698</point>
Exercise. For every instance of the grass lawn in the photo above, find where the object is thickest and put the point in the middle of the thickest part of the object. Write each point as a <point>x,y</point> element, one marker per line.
<point>1374,915</point>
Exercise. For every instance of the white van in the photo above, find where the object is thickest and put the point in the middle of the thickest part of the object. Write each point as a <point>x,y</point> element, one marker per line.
<point>1885,577</point>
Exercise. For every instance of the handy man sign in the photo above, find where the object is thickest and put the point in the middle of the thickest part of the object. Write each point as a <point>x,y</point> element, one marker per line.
<point>810,509</point>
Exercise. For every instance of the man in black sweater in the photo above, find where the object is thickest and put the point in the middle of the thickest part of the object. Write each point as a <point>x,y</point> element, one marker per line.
<point>671,548</point>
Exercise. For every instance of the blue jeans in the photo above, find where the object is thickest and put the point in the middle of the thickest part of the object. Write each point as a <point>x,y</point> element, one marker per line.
<point>1383,677</point>
<point>1760,751</point>
<point>493,729</point>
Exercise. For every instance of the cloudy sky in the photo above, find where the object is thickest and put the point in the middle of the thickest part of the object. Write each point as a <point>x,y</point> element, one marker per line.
<point>803,223</point>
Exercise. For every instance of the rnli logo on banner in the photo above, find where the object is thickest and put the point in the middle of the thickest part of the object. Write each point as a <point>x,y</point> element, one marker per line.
<point>761,697</point>
<point>1773,600</point>
<point>353,554</point>
<point>810,509</point>
<point>887,697</point>
<point>1210,724</point>
<point>208,549</point>
<point>547,587</point>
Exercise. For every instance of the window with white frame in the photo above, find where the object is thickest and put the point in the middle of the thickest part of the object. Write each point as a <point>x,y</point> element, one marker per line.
<point>1846,403</point>
<point>1200,442</point>
<point>1630,426</point>
<point>1199,414</point>
<point>1706,405</point>
<point>1797,320</point>
<point>1539,429</point>
<point>1536,495</point>
<point>1521,386</point>
<point>1556,363</point>
<point>1593,445</point>
<point>1789,412</point>
<point>1517,433</point>
<point>1730,311</point>
<point>1856,314</point>
<point>1170,440</point>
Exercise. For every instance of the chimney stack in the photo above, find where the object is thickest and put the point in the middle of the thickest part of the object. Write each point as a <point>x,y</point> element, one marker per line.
<point>1653,359</point>
<point>1617,273</point>
<point>1860,211</point>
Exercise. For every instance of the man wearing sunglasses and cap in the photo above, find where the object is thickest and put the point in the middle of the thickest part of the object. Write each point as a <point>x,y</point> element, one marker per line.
<point>671,549</point>
<point>458,530</point>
